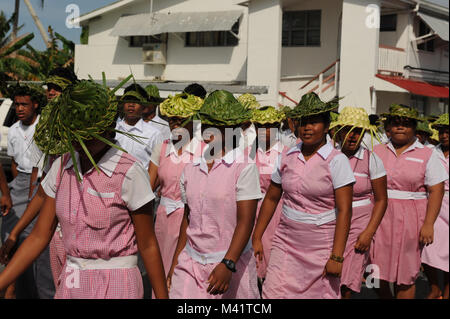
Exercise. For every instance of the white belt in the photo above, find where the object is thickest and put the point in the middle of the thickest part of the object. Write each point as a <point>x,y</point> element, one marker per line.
<point>211,258</point>
<point>360,203</point>
<point>396,194</point>
<point>170,204</point>
<point>317,219</point>
<point>113,263</point>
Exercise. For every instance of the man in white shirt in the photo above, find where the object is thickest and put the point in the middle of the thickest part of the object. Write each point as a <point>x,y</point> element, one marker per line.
<point>27,101</point>
<point>134,102</point>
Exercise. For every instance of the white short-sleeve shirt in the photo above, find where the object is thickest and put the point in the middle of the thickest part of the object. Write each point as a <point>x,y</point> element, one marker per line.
<point>136,189</point>
<point>20,140</point>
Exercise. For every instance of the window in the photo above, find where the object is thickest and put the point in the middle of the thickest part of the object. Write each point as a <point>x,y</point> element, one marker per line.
<point>419,102</point>
<point>424,30</point>
<point>301,28</point>
<point>388,22</point>
<point>213,38</point>
<point>139,41</point>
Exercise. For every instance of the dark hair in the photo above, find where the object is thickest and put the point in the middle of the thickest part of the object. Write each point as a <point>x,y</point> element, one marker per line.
<point>373,118</point>
<point>64,73</point>
<point>137,88</point>
<point>195,89</point>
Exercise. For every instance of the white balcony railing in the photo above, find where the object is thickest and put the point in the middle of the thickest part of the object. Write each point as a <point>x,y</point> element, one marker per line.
<point>391,60</point>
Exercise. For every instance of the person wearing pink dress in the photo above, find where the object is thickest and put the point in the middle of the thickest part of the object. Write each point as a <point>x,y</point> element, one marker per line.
<point>416,178</point>
<point>166,166</point>
<point>268,147</point>
<point>105,213</point>
<point>315,182</point>
<point>369,194</point>
<point>214,257</point>
<point>435,257</point>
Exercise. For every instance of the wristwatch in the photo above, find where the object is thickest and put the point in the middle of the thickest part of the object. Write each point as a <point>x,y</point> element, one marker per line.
<point>230,264</point>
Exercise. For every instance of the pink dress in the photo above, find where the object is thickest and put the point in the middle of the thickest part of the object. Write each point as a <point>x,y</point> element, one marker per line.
<point>266,163</point>
<point>396,250</point>
<point>355,262</point>
<point>57,255</point>
<point>211,197</point>
<point>171,209</point>
<point>97,227</point>
<point>436,254</point>
<point>304,238</point>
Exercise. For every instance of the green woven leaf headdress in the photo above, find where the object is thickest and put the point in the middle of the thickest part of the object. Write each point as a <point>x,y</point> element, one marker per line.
<point>133,96</point>
<point>424,126</point>
<point>59,81</point>
<point>441,121</point>
<point>402,111</point>
<point>153,94</point>
<point>181,105</point>
<point>268,115</point>
<point>249,101</point>
<point>221,108</point>
<point>311,104</point>
<point>82,112</point>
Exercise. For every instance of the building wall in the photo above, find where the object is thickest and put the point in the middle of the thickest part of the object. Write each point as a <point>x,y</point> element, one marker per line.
<point>183,63</point>
<point>385,99</point>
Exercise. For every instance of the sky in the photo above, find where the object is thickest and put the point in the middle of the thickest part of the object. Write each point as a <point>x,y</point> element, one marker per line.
<point>53,14</point>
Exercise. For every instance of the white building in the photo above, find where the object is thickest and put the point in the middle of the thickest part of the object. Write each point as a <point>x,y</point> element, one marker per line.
<point>370,52</point>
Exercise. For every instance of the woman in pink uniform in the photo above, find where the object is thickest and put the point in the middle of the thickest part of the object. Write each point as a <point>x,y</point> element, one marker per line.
<point>105,214</point>
<point>316,182</point>
<point>213,258</point>
<point>435,256</point>
<point>371,182</point>
<point>267,121</point>
<point>166,165</point>
<point>413,171</point>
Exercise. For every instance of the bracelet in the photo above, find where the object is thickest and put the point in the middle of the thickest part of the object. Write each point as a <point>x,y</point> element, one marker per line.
<point>337,258</point>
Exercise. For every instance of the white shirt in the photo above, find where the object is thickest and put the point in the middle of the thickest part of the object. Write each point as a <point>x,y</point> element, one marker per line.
<point>247,186</point>
<point>20,140</point>
<point>160,125</point>
<point>141,151</point>
<point>340,169</point>
<point>136,189</point>
<point>435,172</point>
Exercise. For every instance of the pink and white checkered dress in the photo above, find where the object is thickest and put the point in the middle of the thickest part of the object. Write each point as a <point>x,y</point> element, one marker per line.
<point>96,226</point>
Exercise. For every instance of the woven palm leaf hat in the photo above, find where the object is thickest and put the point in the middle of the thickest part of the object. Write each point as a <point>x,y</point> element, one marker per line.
<point>58,81</point>
<point>222,109</point>
<point>82,112</point>
<point>268,115</point>
<point>355,117</point>
<point>153,94</point>
<point>442,121</point>
<point>181,105</point>
<point>402,111</point>
<point>249,101</point>
<point>424,126</point>
<point>311,104</point>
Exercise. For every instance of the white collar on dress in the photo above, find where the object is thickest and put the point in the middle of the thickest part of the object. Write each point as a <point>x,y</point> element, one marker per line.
<point>229,158</point>
<point>324,151</point>
<point>107,163</point>
<point>138,126</point>
<point>414,145</point>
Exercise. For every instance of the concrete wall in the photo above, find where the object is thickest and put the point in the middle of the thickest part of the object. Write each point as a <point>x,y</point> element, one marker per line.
<point>264,47</point>
<point>114,56</point>
<point>359,55</point>
<point>385,99</point>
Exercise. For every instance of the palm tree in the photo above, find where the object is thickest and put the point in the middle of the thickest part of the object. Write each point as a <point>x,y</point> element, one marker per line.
<point>35,19</point>
<point>10,59</point>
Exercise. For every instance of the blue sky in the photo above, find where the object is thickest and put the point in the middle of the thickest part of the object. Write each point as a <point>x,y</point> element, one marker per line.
<point>53,13</point>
